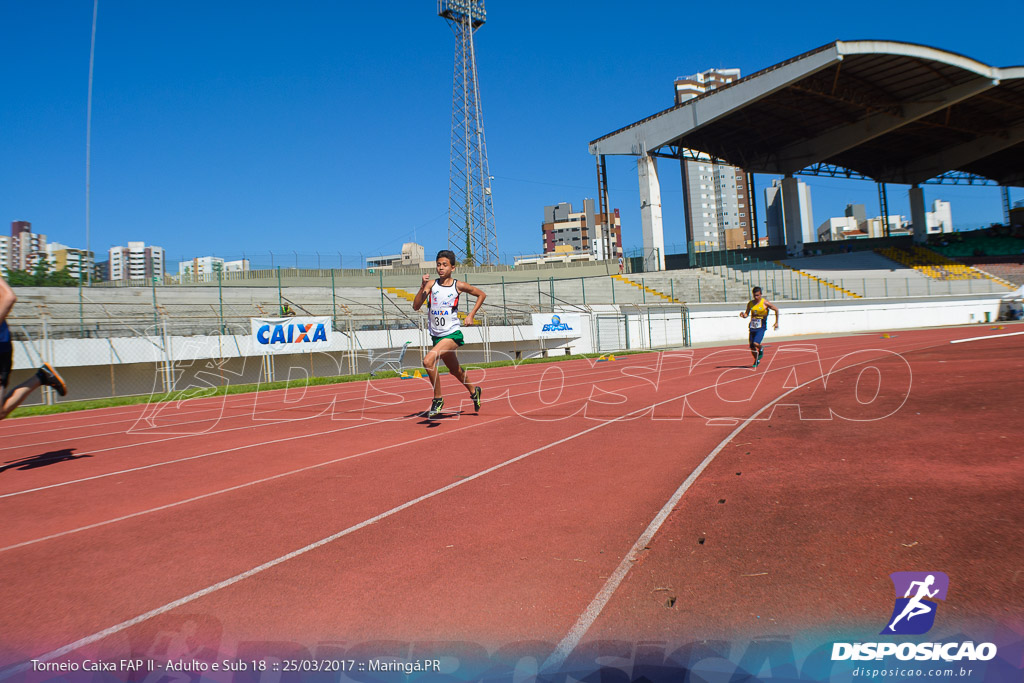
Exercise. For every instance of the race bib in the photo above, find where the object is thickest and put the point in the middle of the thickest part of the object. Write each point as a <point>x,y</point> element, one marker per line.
<point>755,323</point>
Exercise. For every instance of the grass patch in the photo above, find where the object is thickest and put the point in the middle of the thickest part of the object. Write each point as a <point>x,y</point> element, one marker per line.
<point>187,394</point>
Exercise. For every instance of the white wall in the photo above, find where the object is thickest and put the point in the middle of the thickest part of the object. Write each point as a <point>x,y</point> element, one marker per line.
<point>721,322</point>
<point>709,323</point>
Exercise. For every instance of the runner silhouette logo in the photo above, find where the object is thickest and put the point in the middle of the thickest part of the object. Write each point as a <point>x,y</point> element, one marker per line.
<point>916,595</point>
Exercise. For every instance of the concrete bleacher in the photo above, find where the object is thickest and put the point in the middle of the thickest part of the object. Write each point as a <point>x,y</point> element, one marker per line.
<point>868,274</point>
<point>102,312</point>
<point>1011,272</point>
<point>853,275</point>
<point>696,285</point>
<point>189,310</point>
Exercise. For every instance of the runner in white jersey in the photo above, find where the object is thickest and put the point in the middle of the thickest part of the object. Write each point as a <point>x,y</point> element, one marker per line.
<point>442,298</point>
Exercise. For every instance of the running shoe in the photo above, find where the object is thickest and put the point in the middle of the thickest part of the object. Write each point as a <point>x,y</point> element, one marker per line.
<point>435,407</point>
<point>476,399</point>
<point>49,377</point>
<point>760,354</point>
<point>756,362</point>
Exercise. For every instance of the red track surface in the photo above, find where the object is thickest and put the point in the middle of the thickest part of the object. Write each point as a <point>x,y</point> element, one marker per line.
<point>506,526</point>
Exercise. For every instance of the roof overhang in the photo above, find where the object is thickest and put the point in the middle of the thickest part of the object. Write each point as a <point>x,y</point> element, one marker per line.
<point>895,112</point>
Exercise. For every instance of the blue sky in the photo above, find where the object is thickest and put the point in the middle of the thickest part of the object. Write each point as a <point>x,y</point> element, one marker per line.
<point>316,126</point>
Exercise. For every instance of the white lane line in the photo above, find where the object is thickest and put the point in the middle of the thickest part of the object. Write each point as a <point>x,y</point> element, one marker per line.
<point>60,652</point>
<point>88,640</point>
<point>241,486</point>
<point>277,476</point>
<point>990,336</point>
<point>332,400</point>
<point>12,428</point>
<point>593,610</point>
<point>242,447</point>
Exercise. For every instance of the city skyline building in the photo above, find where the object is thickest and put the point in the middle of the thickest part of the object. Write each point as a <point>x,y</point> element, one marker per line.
<point>940,218</point>
<point>136,262</point>
<point>207,265</point>
<point>856,225</point>
<point>791,226</point>
<point>583,231</point>
<point>412,254</point>
<point>5,254</point>
<point>22,244</point>
<point>716,198</point>
<point>76,262</point>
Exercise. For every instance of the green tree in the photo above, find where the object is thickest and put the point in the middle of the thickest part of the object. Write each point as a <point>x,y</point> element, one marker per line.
<point>60,278</point>
<point>39,277</point>
<point>41,272</point>
<point>19,278</point>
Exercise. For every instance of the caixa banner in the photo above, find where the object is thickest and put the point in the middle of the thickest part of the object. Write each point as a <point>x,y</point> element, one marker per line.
<point>547,325</point>
<point>291,335</point>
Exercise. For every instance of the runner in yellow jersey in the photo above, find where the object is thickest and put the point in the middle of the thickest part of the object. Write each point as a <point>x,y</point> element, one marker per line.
<point>757,309</point>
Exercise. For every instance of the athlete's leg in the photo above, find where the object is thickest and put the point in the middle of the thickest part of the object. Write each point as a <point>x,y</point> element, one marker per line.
<point>451,361</point>
<point>11,398</point>
<point>442,347</point>
<point>14,397</point>
<point>756,337</point>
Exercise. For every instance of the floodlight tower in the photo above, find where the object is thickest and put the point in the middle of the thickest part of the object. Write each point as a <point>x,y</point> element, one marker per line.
<point>471,233</point>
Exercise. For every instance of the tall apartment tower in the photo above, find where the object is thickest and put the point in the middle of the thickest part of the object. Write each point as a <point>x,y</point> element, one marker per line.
<point>716,200</point>
<point>23,243</point>
<point>940,218</point>
<point>136,262</point>
<point>5,254</point>
<point>793,226</point>
<point>582,231</point>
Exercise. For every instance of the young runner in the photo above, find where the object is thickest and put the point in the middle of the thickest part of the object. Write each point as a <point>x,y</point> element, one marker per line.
<point>45,376</point>
<point>444,326</point>
<point>758,308</point>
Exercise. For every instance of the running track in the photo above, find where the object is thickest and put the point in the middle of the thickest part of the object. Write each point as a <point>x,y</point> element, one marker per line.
<point>665,496</point>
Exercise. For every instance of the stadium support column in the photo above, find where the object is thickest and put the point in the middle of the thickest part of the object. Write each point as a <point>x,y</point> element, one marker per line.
<point>791,216</point>
<point>684,172</point>
<point>918,219</point>
<point>752,197</point>
<point>650,213</point>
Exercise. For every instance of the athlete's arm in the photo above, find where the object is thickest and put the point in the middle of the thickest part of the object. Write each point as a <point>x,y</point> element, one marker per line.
<point>773,308</point>
<point>473,291</point>
<point>744,313</point>
<point>7,299</point>
<point>421,295</point>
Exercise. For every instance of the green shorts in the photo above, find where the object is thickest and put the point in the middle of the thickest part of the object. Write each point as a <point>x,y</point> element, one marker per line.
<point>455,336</point>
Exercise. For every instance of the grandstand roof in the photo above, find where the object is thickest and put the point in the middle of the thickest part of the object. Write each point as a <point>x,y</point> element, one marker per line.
<point>895,112</point>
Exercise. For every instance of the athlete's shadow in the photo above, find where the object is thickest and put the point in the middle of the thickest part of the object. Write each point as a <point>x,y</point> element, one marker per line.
<point>431,422</point>
<point>727,367</point>
<point>42,460</point>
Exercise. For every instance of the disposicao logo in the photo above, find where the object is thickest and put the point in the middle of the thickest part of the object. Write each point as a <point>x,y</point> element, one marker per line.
<point>291,333</point>
<point>914,614</point>
<point>556,325</point>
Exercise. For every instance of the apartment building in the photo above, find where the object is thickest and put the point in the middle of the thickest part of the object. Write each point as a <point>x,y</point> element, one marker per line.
<point>716,199</point>
<point>136,262</point>
<point>582,232</point>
